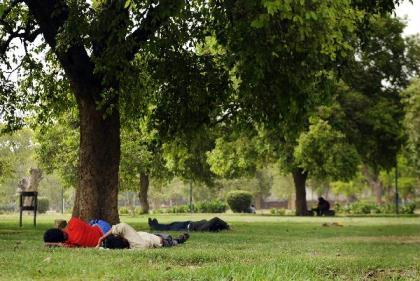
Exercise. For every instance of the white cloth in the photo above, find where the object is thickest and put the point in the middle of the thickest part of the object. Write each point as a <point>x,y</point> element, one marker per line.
<point>136,239</point>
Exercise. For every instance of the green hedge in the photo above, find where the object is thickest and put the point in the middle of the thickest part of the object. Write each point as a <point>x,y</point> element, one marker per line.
<point>214,206</point>
<point>7,208</point>
<point>239,201</point>
<point>361,208</point>
<point>43,205</point>
<point>278,212</point>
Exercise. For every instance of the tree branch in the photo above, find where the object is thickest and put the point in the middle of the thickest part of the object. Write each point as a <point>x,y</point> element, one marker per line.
<point>155,18</point>
<point>51,16</point>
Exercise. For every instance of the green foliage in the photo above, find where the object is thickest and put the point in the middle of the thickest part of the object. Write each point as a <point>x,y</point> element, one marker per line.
<point>208,206</point>
<point>411,100</point>
<point>123,211</point>
<point>239,201</point>
<point>369,111</point>
<point>186,156</point>
<point>43,205</point>
<point>364,208</point>
<point>254,33</point>
<point>141,152</point>
<point>361,208</point>
<point>278,212</point>
<point>351,188</point>
<point>326,153</point>
<point>408,208</point>
<point>232,159</point>
<point>58,148</point>
<point>7,208</point>
<point>213,206</point>
<point>15,150</point>
<point>181,209</point>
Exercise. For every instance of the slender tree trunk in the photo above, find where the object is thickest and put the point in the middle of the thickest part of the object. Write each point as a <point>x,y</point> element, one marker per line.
<point>97,194</point>
<point>258,201</point>
<point>76,208</point>
<point>299,177</point>
<point>374,182</point>
<point>144,188</point>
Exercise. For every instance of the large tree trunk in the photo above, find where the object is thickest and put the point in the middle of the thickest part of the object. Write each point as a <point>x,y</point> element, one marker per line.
<point>299,177</point>
<point>97,194</point>
<point>144,188</point>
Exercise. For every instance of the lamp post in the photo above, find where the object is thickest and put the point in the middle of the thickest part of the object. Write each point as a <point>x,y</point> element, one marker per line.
<point>62,199</point>
<point>191,209</point>
<point>396,188</point>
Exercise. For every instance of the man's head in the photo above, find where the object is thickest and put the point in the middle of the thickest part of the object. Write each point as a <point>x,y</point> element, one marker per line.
<point>54,235</point>
<point>115,242</point>
<point>320,199</point>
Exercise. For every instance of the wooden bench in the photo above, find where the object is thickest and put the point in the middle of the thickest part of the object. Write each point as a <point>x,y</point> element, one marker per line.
<point>33,207</point>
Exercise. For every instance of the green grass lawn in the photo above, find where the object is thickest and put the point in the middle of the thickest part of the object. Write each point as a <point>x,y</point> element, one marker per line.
<point>257,248</point>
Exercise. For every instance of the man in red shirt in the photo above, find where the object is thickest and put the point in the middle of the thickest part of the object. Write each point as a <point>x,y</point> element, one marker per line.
<point>78,233</point>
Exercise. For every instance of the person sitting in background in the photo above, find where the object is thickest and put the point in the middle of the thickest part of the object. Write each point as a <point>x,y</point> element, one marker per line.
<point>122,236</point>
<point>213,225</point>
<point>323,208</point>
<point>77,233</point>
<point>252,209</point>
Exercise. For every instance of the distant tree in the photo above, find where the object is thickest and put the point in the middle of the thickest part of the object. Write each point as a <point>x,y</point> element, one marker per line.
<point>370,111</point>
<point>411,100</point>
<point>326,153</point>
<point>58,149</point>
<point>16,159</point>
<point>141,161</point>
<point>283,56</point>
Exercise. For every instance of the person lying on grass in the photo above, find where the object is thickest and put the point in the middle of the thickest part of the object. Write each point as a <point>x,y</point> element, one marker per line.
<point>77,233</point>
<point>213,225</point>
<point>122,236</point>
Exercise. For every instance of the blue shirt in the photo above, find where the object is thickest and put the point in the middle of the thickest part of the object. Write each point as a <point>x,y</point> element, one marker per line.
<point>103,225</point>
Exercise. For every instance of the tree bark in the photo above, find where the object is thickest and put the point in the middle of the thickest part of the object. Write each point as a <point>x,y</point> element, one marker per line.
<point>97,193</point>
<point>258,201</point>
<point>299,177</point>
<point>144,188</point>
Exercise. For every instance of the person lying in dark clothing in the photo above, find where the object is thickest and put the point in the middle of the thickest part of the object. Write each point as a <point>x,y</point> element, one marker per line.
<point>213,225</point>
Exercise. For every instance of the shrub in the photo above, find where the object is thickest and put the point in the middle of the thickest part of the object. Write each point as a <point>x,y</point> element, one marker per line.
<point>158,211</point>
<point>278,212</point>
<point>123,211</point>
<point>387,209</point>
<point>179,209</point>
<point>239,201</point>
<point>135,211</point>
<point>358,208</point>
<point>43,205</point>
<point>214,206</point>
<point>408,208</point>
<point>7,208</point>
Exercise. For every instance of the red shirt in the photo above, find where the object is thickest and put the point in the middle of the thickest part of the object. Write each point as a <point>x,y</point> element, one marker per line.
<point>82,234</point>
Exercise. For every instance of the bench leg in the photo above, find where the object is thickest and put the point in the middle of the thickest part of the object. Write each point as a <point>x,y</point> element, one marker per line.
<point>20,218</point>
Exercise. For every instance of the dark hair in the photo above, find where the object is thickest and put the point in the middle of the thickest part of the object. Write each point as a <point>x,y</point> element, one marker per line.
<point>115,242</point>
<point>54,235</point>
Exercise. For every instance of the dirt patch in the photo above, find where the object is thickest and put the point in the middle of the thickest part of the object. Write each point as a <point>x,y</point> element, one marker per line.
<point>393,274</point>
<point>390,239</point>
